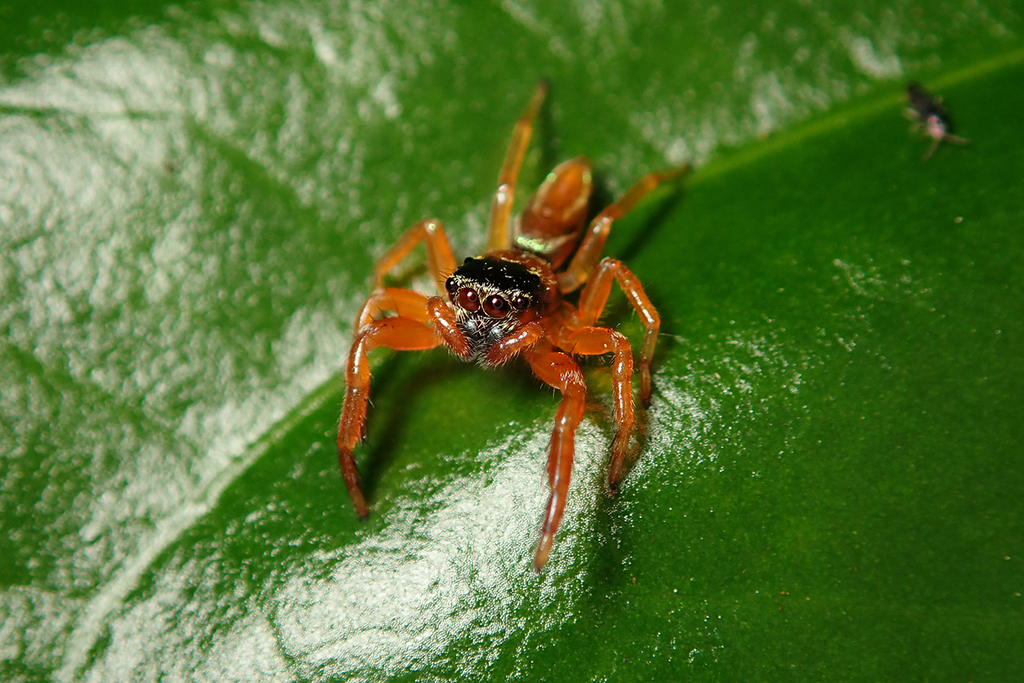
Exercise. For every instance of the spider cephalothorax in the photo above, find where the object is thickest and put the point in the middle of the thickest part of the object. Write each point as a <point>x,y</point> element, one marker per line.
<point>508,303</point>
<point>495,295</point>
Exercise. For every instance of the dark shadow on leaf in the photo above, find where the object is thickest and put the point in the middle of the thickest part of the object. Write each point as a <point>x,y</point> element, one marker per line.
<point>649,228</point>
<point>398,381</point>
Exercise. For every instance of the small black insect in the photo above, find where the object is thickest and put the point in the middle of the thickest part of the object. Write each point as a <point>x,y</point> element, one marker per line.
<point>929,114</point>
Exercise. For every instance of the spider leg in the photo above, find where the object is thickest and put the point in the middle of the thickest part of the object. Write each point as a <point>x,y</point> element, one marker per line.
<point>501,206</point>
<point>592,302</point>
<point>561,372</point>
<point>403,302</point>
<point>407,303</point>
<point>440,259</point>
<point>593,241</point>
<point>596,341</point>
<point>399,333</point>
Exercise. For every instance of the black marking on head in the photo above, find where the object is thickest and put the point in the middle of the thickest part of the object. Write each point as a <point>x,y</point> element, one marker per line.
<point>502,275</point>
<point>489,296</point>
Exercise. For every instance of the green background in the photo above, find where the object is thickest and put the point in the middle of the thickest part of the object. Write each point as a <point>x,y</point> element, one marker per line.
<point>829,477</point>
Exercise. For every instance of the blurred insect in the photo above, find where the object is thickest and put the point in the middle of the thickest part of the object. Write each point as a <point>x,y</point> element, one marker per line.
<point>929,114</point>
<point>510,302</point>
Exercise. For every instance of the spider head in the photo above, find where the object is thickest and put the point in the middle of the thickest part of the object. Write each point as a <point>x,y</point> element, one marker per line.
<point>492,297</point>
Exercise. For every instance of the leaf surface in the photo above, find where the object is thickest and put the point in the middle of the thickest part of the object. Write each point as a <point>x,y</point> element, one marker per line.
<point>827,480</point>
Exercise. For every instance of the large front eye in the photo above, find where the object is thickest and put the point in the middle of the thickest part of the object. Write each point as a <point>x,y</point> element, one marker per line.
<point>468,300</point>
<point>495,306</point>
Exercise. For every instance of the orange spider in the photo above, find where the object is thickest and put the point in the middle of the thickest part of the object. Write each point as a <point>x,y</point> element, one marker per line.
<point>510,301</point>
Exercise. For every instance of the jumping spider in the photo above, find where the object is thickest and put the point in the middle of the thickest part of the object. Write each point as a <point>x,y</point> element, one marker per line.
<point>510,301</point>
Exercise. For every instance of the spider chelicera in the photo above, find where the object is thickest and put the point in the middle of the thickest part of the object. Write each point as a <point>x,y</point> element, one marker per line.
<point>510,302</point>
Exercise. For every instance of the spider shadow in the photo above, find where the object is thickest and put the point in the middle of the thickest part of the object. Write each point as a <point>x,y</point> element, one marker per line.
<point>401,381</point>
<point>612,528</point>
<point>398,381</point>
<point>615,537</point>
<point>671,194</point>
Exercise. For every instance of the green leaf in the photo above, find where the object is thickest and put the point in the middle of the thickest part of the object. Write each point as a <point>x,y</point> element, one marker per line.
<point>827,482</point>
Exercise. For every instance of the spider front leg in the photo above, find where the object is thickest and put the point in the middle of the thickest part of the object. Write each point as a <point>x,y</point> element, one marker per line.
<point>399,333</point>
<point>402,302</point>
<point>408,331</point>
<point>407,303</point>
<point>596,341</point>
<point>595,296</point>
<point>561,372</point>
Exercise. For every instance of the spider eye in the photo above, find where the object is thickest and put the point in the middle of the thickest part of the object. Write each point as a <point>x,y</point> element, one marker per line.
<point>468,300</point>
<point>451,285</point>
<point>495,306</point>
<point>521,302</point>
